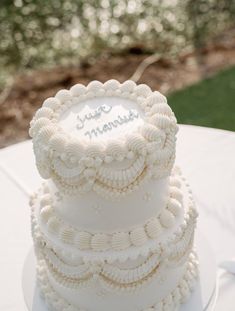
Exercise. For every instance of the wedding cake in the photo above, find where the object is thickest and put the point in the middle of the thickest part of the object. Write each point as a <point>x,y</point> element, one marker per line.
<point>113,224</point>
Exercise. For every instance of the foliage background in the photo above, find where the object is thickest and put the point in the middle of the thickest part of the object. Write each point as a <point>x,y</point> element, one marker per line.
<point>47,32</point>
<point>47,45</point>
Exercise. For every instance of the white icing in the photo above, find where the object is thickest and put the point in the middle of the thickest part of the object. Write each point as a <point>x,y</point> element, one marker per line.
<point>120,241</point>
<point>83,240</point>
<point>102,241</point>
<point>139,237</point>
<point>110,276</point>
<point>113,223</point>
<point>153,228</point>
<point>166,292</point>
<point>131,210</point>
<point>93,119</point>
<point>110,280</point>
<point>77,164</point>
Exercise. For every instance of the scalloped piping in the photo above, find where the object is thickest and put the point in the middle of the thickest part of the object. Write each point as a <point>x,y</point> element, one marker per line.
<point>120,240</point>
<point>178,296</point>
<point>113,282</point>
<point>133,252</point>
<point>155,140</point>
<point>174,247</point>
<point>114,277</point>
<point>173,242</point>
<point>79,271</point>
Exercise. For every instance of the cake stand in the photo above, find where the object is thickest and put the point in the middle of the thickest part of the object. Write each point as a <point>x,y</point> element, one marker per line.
<point>202,299</point>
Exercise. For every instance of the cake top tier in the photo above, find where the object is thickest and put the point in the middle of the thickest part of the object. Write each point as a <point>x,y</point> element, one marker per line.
<point>107,138</point>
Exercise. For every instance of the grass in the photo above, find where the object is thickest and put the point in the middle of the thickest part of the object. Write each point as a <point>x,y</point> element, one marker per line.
<point>210,102</point>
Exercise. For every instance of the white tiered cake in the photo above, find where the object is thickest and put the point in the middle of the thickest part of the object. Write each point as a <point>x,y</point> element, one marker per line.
<point>113,225</point>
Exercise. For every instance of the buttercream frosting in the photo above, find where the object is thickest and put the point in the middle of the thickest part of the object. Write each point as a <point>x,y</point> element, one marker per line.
<point>143,140</point>
<point>115,221</point>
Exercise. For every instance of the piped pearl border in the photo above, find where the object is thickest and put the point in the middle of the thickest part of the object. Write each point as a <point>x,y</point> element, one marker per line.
<point>110,275</point>
<point>111,278</point>
<point>178,296</point>
<point>76,165</point>
<point>175,240</point>
<point>120,240</point>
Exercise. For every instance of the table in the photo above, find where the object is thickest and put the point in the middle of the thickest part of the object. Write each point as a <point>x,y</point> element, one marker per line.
<point>206,157</point>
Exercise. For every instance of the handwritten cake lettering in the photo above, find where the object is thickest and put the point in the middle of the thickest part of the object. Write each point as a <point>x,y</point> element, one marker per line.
<point>92,115</point>
<point>99,130</point>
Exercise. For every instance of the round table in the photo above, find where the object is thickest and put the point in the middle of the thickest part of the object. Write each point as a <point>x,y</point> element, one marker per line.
<point>207,159</point>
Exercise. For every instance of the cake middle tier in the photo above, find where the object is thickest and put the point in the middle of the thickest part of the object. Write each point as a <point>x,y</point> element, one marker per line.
<point>94,213</point>
<point>151,226</point>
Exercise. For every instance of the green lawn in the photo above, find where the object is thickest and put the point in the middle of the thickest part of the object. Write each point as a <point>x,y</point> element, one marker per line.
<point>210,102</point>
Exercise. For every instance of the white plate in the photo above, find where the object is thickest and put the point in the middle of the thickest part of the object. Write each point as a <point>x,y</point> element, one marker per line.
<point>202,298</point>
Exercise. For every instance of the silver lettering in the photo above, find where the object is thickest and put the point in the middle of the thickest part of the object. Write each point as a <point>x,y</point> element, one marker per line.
<point>113,124</point>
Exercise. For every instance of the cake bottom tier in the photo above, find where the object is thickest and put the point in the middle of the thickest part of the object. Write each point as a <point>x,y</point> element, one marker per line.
<point>165,292</point>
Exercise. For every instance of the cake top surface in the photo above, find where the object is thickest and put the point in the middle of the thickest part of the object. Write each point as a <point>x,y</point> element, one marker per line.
<point>108,137</point>
<point>102,119</point>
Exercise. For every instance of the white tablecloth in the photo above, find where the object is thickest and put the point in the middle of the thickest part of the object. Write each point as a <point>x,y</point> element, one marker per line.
<point>207,158</point>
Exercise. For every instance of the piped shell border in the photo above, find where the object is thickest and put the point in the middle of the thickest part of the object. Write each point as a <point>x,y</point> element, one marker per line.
<point>178,296</point>
<point>100,251</point>
<point>78,166</point>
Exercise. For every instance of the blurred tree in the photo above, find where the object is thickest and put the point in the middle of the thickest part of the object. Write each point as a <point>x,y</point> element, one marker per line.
<point>208,18</point>
<point>48,32</point>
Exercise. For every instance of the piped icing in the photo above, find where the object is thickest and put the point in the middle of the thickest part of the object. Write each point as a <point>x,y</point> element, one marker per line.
<point>79,273</point>
<point>170,302</point>
<point>111,138</point>
<point>80,165</point>
<point>118,240</point>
